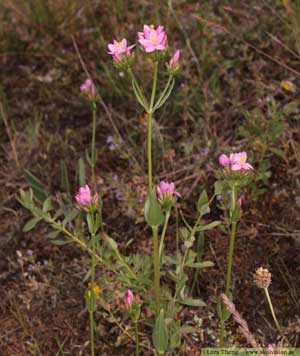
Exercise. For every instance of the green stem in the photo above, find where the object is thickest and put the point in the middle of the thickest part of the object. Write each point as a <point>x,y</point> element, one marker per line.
<point>161,244</point>
<point>230,256</point>
<point>93,148</point>
<point>164,91</point>
<point>272,310</point>
<point>92,333</point>
<point>93,267</point>
<point>149,149</point>
<point>136,332</point>
<point>156,269</point>
<point>222,330</point>
<point>139,90</point>
<point>150,177</point>
<point>153,93</point>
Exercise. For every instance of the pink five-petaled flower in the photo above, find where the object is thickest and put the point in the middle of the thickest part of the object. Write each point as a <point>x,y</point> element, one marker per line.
<point>118,49</point>
<point>84,196</point>
<point>166,193</point>
<point>224,160</point>
<point>239,162</point>
<point>88,88</point>
<point>174,59</point>
<point>152,39</point>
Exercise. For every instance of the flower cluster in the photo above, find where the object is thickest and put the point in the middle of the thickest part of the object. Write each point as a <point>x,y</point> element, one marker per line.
<point>152,40</point>
<point>88,89</point>
<point>133,305</point>
<point>120,51</point>
<point>235,162</point>
<point>167,194</point>
<point>130,299</point>
<point>262,278</point>
<point>85,199</point>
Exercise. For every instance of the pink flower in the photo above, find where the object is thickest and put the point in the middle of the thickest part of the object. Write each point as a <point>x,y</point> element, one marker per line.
<point>166,192</point>
<point>174,59</point>
<point>152,39</point>
<point>88,88</point>
<point>129,298</point>
<point>270,347</point>
<point>238,162</point>
<point>84,196</point>
<point>118,49</point>
<point>224,160</point>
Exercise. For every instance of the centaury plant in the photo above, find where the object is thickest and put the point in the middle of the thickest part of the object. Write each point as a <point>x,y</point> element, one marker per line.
<point>134,272</point>
<point>153,42</point>
<point>234,175</point>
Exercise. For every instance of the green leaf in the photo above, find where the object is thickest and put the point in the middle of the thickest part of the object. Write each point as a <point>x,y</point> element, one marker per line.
<point>203,203</point>
<point>53,234</point>
<point>47,205</point>
<point>111,243</point>
<point>65,184</point>
<point>38,189</point>
<point>279,152</point>
<point>164,96</point>
<point>193,302</point>
<point>153,214</point>
<point>223,312</point>
<point>60,242</point>
<point>140,99</point>
<point>31,224</point>
<point>204,264</point>
<point>186,329</point>
<point>208,226</point>
<point>160,335</point>
<point>70,217</point>
<point>81,172</point>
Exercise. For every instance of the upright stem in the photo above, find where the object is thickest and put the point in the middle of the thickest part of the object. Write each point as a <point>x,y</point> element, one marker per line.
<point>93,265</point>
<point>150,179</point>
<point>93,149</point>
<point>136,331</point>
<point>222,330</point>
<point>230,257</point>
<point>161,244</point>
<point>156,269</point>
<point>150,113</point>
<point>272,310</point>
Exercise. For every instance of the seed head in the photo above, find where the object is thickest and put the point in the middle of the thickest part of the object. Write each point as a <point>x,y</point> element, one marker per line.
<point>262,278</point>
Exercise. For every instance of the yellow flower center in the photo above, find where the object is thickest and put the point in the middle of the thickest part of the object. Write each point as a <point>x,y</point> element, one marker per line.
<point>152,26</point>
<point>119,44</point>
<point>242,159</point>
<point>153,39</point>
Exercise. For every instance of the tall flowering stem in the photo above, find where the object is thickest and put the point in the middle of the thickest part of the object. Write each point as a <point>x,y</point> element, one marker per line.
<point>150,113</point>
<point>235,173</point>
<point>230,257</point>
<point>90,204</point>
<point>153,42</point>
<point>88,89</point>
<point>93,148</point>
